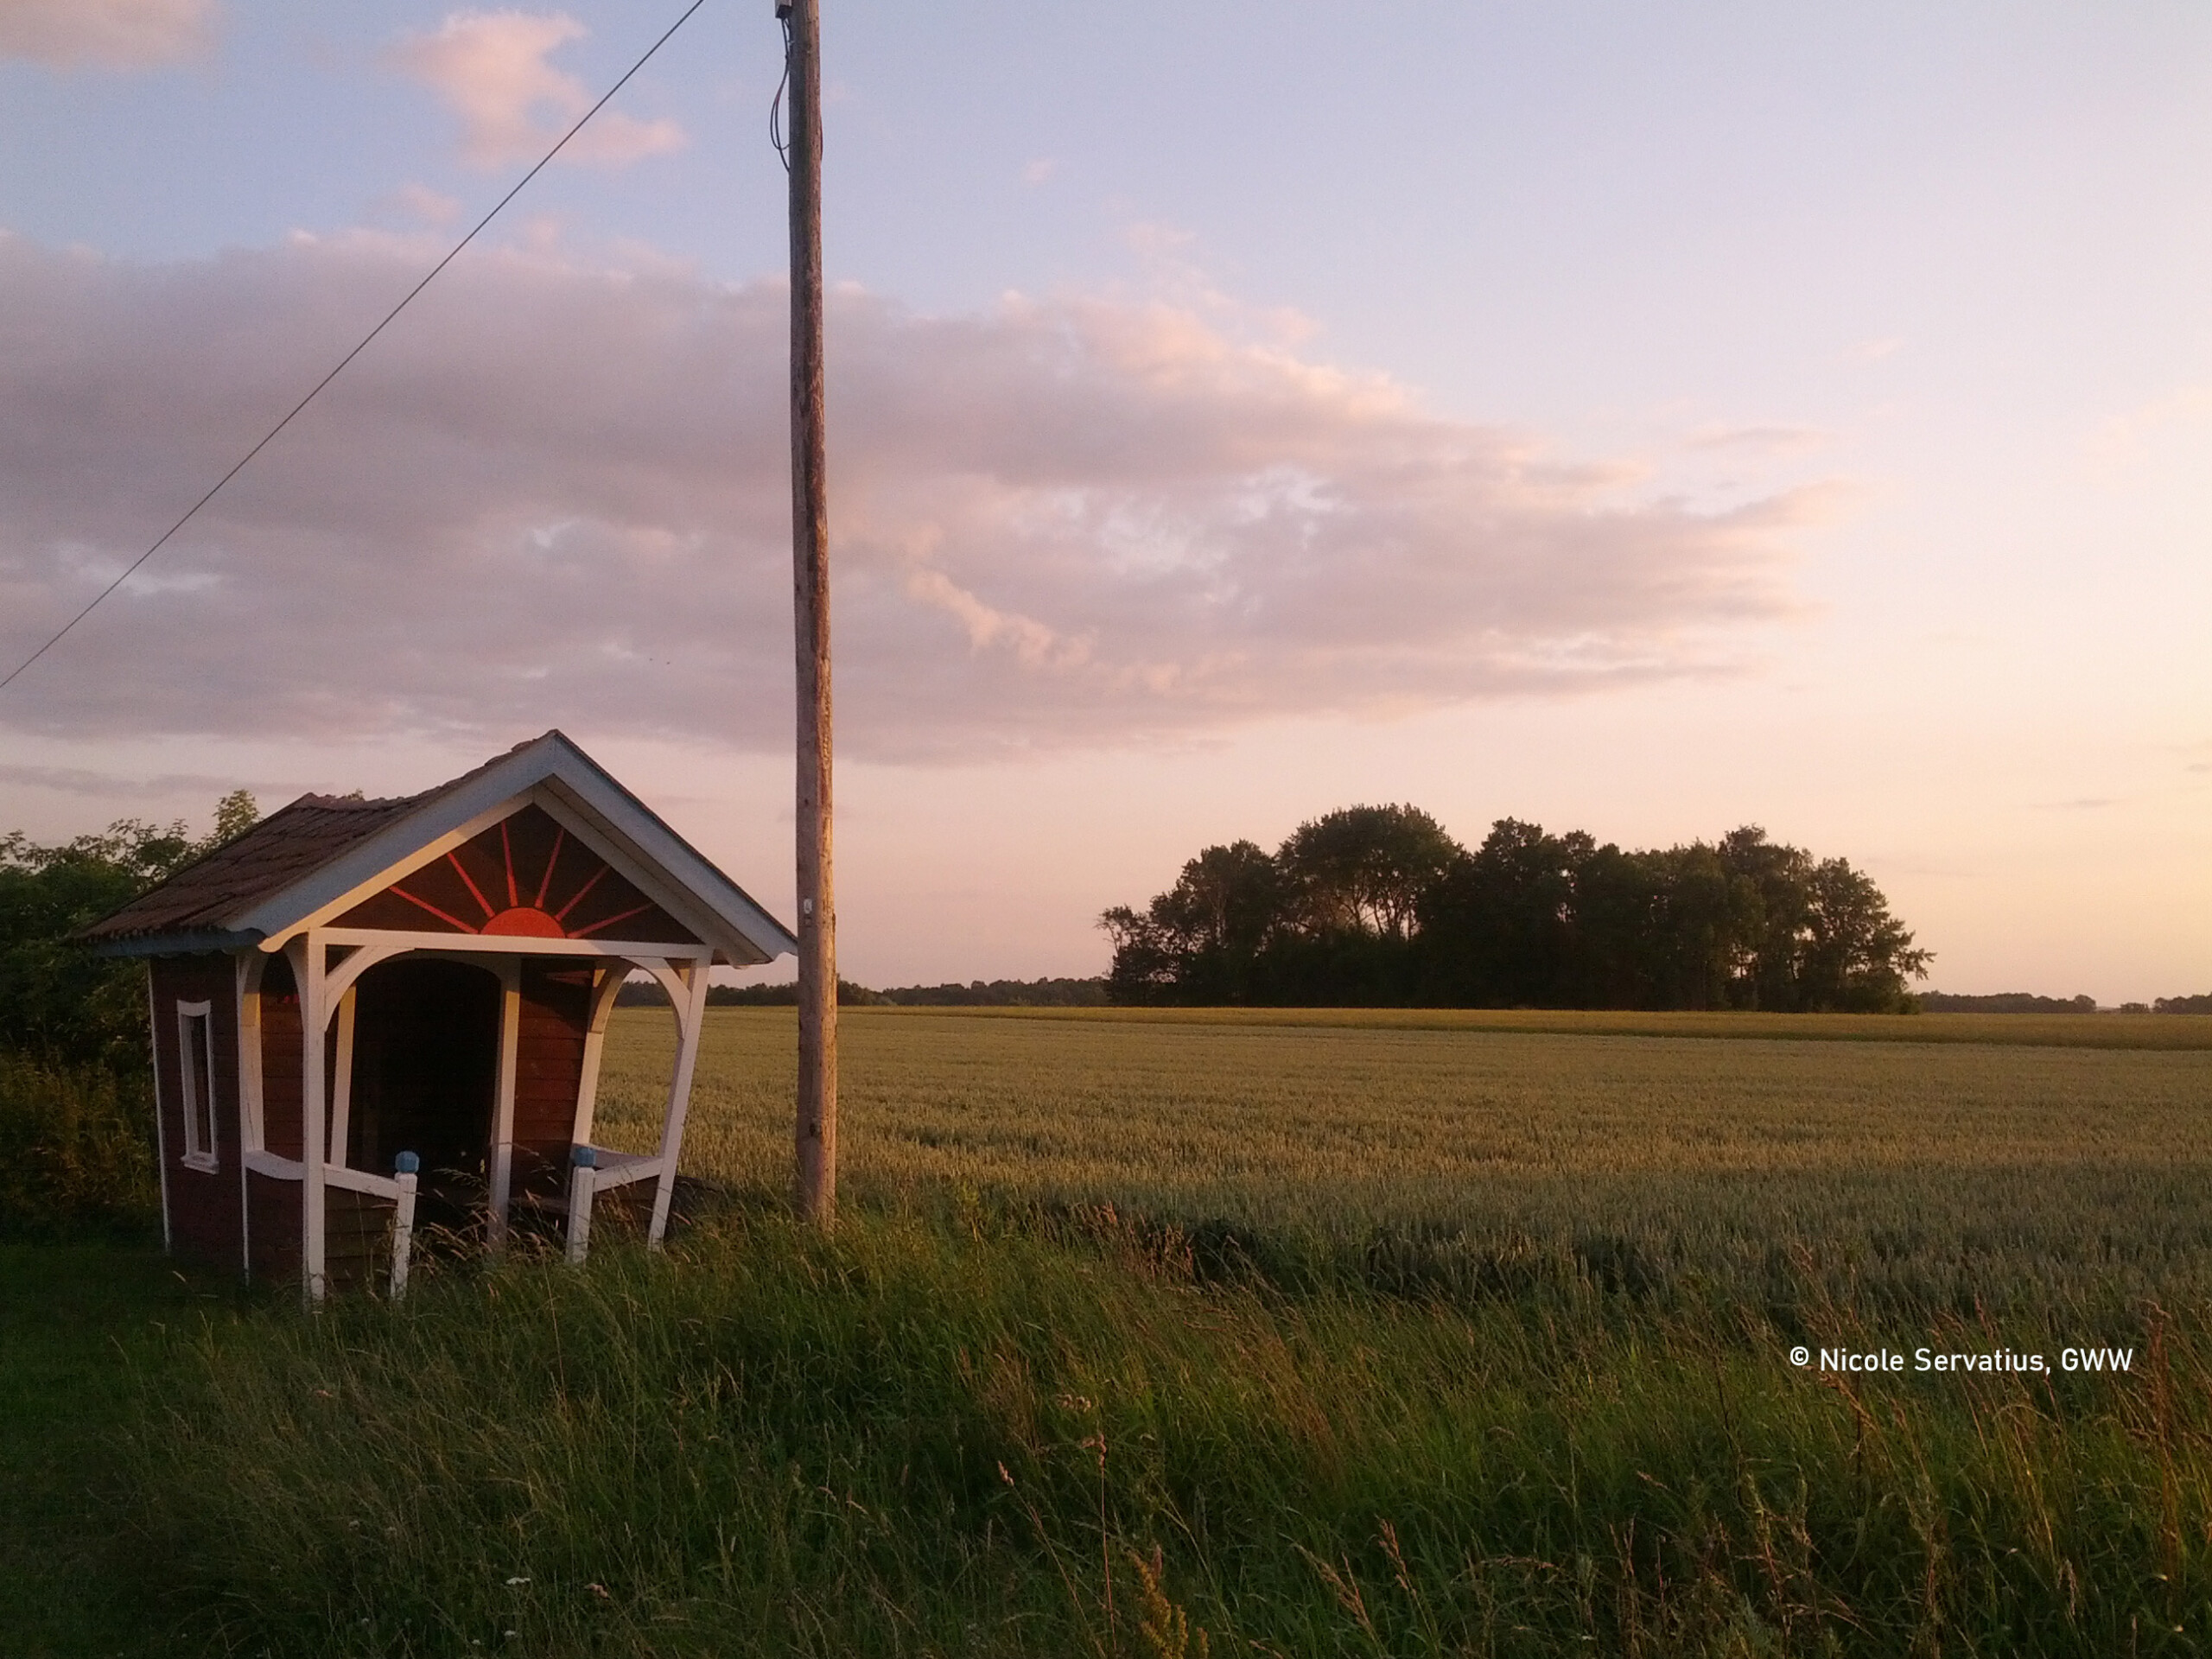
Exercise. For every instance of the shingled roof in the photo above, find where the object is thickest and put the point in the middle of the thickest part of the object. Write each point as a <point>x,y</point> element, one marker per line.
<point>200,899</point>
<point>254,887</point>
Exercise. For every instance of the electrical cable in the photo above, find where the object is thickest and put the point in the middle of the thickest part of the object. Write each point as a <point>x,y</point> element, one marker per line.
<point>131,569</point>
<point>776,103</point>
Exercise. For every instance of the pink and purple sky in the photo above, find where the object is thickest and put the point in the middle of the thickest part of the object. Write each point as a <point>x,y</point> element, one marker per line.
<point>1641,419</point>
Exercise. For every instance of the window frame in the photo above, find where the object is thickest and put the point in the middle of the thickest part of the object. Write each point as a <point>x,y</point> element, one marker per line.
<point>197,1093</point>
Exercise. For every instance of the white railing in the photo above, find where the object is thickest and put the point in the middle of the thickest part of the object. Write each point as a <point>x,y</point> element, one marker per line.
<point>398,1187</point>
<point>593,1170</point>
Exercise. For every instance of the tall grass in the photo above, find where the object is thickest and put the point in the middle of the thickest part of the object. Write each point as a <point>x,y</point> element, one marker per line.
<point>1157,1338</point>
<point>76,1151</point>
<point>969,1436</point>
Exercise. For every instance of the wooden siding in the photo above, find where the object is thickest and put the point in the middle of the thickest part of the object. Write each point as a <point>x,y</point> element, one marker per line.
<point>357,1231</point>
<point>549,1071</point>
<point>524,878</point>
<point>205,1213</point>
<point>273,1215</point>
<point>283,1130</point>
<point>357,1227</point>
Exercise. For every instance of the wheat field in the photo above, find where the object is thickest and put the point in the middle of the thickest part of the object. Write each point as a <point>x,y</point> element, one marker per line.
<point>1964,1167</point>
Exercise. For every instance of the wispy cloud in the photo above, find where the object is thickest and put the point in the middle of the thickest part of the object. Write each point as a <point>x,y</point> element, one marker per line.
<point>421,203</point>
<point>76,780</point>
<point>2124,441</point>
<point>558,493</point>
<point>491,69</point>
<point>106,33</point>
<point>1762,440</point>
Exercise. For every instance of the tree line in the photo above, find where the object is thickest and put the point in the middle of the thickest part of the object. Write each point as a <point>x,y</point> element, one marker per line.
<point>2005,1002</point>
<point>976,993</point>
<point>1378,906</point>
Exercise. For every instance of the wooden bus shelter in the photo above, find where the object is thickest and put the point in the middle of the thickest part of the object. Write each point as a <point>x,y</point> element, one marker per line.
<point>372,1015</point>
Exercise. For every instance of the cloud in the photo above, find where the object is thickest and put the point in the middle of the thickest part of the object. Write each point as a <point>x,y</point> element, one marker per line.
<point>490,68</point>
<point>556,493</point>
<point>421,203</point>
<point>2126,439</point>
<point>1039,171</point>
<point>75,781</point>
<point>1775,441</point>
<point>106,33</point>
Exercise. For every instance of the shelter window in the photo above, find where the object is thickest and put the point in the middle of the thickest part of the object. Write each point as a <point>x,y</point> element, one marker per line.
<point>196,1057</point>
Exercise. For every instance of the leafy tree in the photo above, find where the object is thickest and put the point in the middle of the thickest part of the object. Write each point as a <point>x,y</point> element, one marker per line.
<point>1199,940</point>
<point>1705,917</point>
<point>1364,869</point>
<point>1376,905</point>
<point>1768,900</point>
<point>1500,925</point>
<point>1147,967</point>
<point>1619,905</point>
<point>1856,956</point>
<point>1227,898</point>
<point>56,998</point>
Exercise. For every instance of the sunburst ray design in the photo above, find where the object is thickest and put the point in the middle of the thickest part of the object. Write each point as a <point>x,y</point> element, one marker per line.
<point>553,888</point>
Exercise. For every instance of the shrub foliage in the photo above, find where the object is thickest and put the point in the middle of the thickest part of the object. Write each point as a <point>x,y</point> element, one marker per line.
<point>79,1150</point>
<point>56,998</point>
<point>76,1099</point>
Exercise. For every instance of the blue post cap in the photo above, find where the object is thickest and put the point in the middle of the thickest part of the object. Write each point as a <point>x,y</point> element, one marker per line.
<point>584,1157</point>
<point>406,1164</point>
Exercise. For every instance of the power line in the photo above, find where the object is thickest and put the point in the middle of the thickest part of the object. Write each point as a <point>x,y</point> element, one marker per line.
<point>776,103</point>
<point>131,569</point>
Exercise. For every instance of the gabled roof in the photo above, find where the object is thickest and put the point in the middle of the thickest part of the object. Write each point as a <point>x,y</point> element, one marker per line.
<point>296,866</point>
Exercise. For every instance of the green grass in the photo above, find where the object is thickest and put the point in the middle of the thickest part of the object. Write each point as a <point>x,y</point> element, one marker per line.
<point>914,1439</point>
<point>1321,1333</point>
<point>88,1333</point>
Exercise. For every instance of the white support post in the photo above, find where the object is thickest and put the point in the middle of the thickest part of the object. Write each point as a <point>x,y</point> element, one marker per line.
<point>691,1018</point>
<point>366,953</point>
<point>307,956</point>
<point>582,1179</point>
<point>602,1008</point>
<point>342,1086</point>
<point>402,1227</point>
<point>583,1176</point>
<point>503,1112</point>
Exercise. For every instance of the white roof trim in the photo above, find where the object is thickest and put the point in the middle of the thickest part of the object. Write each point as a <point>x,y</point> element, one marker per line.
<point>552,768</point>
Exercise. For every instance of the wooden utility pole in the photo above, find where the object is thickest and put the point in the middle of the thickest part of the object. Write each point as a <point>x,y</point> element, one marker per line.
<point>817,908</point>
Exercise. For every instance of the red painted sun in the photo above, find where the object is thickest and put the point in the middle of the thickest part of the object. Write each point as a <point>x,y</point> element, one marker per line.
<point>530,918</point>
